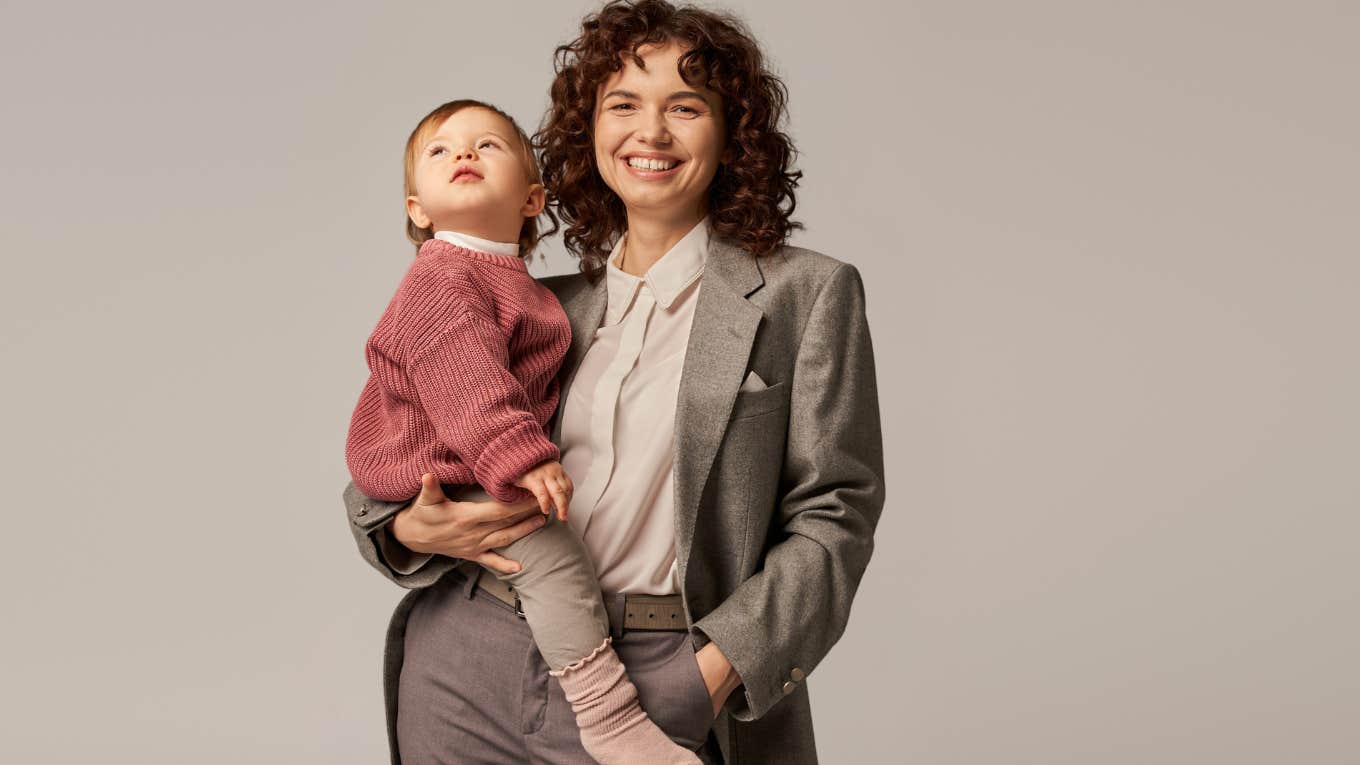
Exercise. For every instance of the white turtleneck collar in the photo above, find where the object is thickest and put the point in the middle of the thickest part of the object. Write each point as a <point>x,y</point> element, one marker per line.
<point>477,243</point>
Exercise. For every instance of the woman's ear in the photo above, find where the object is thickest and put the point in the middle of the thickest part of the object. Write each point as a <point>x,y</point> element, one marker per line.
<point>534,204</point>
<point>417,213</point>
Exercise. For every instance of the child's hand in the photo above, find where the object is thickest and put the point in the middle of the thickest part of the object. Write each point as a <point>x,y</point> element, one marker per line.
<point>550,485</point>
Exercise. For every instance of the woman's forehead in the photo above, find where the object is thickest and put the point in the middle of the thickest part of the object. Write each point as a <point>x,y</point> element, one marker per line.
<point>658,61</point>
<point>660,70</point>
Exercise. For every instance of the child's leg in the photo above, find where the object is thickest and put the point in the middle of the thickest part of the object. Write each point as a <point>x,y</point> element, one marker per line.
<point>561,600</point>
<point>558,592</point>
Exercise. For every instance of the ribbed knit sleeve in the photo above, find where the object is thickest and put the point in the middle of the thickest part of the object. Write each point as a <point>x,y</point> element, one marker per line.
<point>478,408</point>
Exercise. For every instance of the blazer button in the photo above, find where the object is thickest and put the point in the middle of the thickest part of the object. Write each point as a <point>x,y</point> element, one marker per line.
<point>797,675</point>
<point>363,510</point>
<point>788,687</point>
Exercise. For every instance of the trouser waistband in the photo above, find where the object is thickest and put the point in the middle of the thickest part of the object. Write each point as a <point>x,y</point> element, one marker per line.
<point>626,612</point>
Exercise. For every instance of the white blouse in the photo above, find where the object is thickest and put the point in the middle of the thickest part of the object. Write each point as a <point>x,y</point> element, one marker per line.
<point>618,421</point>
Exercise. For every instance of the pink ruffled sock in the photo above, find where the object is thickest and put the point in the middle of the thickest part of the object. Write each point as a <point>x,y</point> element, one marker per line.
<point>614,729</point>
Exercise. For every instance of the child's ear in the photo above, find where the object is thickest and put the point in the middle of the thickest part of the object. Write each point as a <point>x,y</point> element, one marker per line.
<point>417,213</point>
<point>534,204</point>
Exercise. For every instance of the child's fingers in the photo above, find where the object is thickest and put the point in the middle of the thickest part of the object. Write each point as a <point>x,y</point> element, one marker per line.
<point>559,495</point>
<point>544,499</point>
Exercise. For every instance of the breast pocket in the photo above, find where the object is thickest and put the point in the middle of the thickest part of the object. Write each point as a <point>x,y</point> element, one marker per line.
<point>753,403</point>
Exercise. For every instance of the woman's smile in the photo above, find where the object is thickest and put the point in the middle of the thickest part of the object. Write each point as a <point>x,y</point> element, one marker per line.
<point>649,167</point>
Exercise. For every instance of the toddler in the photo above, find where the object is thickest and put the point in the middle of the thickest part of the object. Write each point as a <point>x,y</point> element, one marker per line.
<point>463,382</point>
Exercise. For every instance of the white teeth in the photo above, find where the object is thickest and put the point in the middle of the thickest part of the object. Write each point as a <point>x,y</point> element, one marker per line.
<point>645,163</point>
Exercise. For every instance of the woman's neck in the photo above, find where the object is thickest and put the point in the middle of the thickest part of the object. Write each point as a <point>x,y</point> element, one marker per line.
<point>650,238</point>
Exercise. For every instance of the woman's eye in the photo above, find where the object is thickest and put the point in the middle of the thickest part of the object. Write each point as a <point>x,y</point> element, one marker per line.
<point>620,107</point>
<point>687,110</point>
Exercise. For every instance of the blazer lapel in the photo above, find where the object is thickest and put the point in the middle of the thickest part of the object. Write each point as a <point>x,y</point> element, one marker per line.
<point>719,347</point>
<point>585,310</point>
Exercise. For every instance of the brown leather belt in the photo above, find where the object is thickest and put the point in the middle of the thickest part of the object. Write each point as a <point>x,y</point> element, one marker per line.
<point>637,612</point>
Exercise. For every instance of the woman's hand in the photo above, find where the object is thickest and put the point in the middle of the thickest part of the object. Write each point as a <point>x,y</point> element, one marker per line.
<point>719,676</point>
<point>468,530</point>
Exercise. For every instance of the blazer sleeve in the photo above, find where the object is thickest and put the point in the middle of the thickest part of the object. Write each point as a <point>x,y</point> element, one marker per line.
<point>779,624</point>
<point>368,520</point>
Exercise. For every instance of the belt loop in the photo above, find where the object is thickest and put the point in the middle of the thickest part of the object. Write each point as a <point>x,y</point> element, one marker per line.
<point>619,610</point>
<point>470,586</point>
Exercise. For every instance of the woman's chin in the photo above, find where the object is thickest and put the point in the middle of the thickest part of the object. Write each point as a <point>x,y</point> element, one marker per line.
<point>654,199</point>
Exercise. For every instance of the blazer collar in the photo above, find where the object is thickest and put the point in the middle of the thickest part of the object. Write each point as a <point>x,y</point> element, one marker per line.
<point>728,270</point>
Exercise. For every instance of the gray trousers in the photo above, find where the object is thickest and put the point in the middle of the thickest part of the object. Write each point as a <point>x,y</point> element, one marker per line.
<point>475,689</point>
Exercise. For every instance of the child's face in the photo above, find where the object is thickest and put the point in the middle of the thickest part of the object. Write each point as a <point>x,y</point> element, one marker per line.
<point>469,177</point>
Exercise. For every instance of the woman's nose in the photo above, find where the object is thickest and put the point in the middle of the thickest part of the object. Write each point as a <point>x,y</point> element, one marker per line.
<point>653,129</point>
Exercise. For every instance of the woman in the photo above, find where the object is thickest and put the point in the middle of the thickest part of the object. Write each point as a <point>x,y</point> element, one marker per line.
<point>718,416</point>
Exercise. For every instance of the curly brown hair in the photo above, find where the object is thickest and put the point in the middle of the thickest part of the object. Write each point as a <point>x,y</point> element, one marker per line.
<point>751,199</point>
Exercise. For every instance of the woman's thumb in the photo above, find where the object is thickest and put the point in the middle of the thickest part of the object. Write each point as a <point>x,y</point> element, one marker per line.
<point>430,491</point>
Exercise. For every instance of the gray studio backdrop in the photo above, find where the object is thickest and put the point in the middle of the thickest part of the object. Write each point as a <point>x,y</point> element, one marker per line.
<point>1111,261</point>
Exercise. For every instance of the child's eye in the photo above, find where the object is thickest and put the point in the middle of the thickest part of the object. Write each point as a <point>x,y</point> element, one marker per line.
<point>485,144</point>
<point>436,151</point>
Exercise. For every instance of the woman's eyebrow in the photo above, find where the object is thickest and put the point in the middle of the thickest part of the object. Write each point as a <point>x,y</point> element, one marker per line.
<point>677,95</point>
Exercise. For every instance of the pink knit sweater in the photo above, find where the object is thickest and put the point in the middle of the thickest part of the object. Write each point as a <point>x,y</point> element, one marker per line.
<point>463,377</point>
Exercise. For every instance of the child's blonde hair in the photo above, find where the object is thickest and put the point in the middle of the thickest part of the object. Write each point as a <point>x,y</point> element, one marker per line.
<point>529,235</point>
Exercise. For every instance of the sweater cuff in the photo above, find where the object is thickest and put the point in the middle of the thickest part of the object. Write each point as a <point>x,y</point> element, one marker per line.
<point>511,455</point>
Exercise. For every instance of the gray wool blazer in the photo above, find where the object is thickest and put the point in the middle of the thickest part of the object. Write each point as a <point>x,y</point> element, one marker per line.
<point>777,491</point>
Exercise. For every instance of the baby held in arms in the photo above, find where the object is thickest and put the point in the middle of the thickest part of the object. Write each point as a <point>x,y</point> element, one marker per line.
<point>463,380</point>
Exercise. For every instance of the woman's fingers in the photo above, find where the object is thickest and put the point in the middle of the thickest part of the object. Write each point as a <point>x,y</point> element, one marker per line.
<point>460,529</point>
<point>505,536</point>
<point>497,562</point>
<point>492,512</point>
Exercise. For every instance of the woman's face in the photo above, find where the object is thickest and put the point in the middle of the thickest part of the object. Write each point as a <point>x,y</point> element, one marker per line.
<point>658,140</point>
